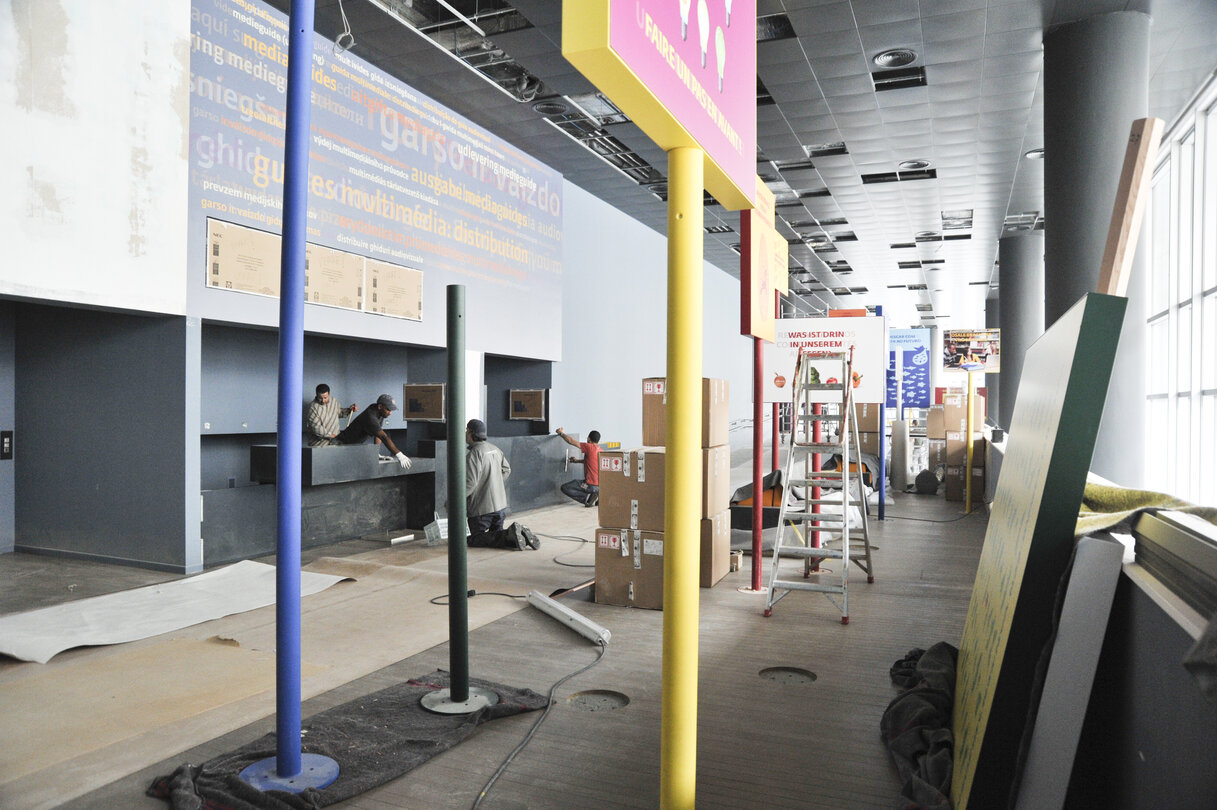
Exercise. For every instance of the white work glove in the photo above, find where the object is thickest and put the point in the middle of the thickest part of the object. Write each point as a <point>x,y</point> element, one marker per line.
<point>403,461</point>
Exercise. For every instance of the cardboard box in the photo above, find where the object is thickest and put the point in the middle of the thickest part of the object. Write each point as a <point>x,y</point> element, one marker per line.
<point>715,398</point>
<point>870,442</point>
<point>935,423</point>
<point>715,548</point>
<point>629,568</point>
<point>937,454</point>
<point>957,449</point>
<point>867,416</point>
<point>632,486</point>
<point>954,482</point>
<point>955,412</point>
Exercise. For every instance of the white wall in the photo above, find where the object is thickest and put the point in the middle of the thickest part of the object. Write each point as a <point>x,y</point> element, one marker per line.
<point>614,317</point>
<point>93,97</point>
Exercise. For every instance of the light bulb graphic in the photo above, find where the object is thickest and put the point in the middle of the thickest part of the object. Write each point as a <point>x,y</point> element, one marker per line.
<point>703,28</point>
<point>720,50</point>
<point>684,18</point>
<point>727,3</point>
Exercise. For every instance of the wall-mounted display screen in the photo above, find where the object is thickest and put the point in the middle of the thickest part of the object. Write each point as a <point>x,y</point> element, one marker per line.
<point>972,350</point>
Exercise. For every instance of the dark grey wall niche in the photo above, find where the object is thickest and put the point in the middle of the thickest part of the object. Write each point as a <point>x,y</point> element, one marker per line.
<point>502,374</point>
<point>240,383</point>
<point>100,412</point>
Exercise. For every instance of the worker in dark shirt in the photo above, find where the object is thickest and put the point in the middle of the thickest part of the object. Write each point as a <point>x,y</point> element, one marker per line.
<point>369,424</point>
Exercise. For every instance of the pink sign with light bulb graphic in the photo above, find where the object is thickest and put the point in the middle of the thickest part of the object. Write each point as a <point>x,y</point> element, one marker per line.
<point>698,58</point>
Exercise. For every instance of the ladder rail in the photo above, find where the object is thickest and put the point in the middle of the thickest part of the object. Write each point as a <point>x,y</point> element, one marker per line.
<point>807,523</point>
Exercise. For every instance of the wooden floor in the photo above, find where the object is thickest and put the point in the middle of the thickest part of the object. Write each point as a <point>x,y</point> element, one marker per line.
<point>761,743</point>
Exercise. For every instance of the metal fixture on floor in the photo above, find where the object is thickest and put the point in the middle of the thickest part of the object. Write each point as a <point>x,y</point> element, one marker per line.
<point>598,700</point>
<point>580,624</point>
<point>788,675</point>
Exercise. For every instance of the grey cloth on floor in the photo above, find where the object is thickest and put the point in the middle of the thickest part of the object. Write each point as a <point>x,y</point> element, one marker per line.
<point>1201,661</point>
<point>916,726</point>
<point>374,739</point>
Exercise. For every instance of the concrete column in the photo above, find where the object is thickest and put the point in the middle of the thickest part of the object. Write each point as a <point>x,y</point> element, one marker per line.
<point>1096,83</point>
<point>992,382</point>
<point>1021,314</point>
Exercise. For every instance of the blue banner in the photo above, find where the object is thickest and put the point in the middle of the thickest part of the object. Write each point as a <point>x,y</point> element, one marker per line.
<point>910,353</point>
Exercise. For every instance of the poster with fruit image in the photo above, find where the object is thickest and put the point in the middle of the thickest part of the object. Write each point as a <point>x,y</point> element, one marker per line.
<point>823,336</point>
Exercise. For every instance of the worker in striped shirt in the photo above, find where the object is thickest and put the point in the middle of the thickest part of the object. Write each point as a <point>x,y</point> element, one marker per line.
<point>321,421</point>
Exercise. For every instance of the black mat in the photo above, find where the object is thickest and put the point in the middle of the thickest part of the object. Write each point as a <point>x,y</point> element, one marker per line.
<point>374,739</point>
<point>916,726</point>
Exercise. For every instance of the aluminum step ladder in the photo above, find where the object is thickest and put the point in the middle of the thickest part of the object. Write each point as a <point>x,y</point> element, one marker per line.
<point>806,532</point>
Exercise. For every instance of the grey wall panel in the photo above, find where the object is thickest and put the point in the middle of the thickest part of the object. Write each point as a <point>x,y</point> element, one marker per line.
<point>538,470</point>
<point>240,523</point>
<point>241,372</point>
<point>99,404</point>
<point>504,374</point>
<point>227,456</point>
<point>7,420</point>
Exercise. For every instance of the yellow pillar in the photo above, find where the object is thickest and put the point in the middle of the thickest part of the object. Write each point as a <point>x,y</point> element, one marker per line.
<point>681,556</point>
<point>967,470</point>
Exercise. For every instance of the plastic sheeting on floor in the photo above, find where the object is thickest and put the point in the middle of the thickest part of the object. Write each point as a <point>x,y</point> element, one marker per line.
<point>40,635</point>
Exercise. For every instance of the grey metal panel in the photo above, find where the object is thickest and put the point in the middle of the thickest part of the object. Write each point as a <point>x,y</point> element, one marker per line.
<point>538,470</point>
<point>333,465</point>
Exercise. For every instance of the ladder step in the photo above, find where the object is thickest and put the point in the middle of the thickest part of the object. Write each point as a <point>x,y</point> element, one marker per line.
<point>819,447</point>
<point>822,387</point>
<point>799,585</point>
<point>822,417</point>
<point>807,517</point>
<point>807,551</point>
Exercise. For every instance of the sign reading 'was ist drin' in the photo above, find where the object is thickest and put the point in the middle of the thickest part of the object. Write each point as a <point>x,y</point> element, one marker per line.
<point>684,71</point>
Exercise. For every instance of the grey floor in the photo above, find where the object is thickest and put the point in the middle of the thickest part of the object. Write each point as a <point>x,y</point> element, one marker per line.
<point>761,742</point>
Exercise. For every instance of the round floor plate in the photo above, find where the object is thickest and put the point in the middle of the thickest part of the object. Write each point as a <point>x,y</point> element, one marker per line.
<point>440,701</point>
<point>788,675</point>
<point>598,700</point>
<point>316,771</point>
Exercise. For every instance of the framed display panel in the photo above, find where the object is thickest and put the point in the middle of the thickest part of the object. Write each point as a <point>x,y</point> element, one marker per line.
<point>1028,544</point>
<point>243,259</point>
<point>395,290</point>
<point>423,402</point>
<point>526,404</point>
<point>972,350</point>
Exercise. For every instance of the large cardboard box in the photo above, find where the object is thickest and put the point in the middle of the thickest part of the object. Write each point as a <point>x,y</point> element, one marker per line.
<point>715,548</point>
<point>955,412</point>
<point>629,568</point>
<point>937,454</point>
<point>955,484</point>
<point>957,449</point>
<point>867,415</point>
<point>936,423</point>
<point>632,486</point>
<point>715,398</point>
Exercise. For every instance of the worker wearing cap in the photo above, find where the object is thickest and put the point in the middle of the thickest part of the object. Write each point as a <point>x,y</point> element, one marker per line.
<point>486,469</point>
<point>369,424</point>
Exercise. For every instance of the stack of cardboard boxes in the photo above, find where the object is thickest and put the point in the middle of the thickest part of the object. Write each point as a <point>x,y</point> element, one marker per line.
<point>630,541</point>
<point>871,432</point>
<point>947,430</point>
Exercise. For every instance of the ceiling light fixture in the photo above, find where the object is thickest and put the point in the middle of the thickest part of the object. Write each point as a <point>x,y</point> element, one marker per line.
<point>895,57</point>
<point>915,163</point>
<point>1035,154</point>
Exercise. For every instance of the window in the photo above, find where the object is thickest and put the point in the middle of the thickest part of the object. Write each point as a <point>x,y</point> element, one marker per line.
<point>1181,325</point>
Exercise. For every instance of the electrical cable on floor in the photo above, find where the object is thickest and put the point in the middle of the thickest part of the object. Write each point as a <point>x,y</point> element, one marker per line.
<point>494,778</point>
<point>572,539</point>
<point>929,520</point>
<point>472,593</point>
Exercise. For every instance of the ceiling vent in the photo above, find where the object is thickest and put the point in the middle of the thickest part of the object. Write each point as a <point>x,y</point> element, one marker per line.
<point>895,58</point>
<point>956,237</point>
<point>791,165</point>
<point>843,236</point>
<point>898,79</point>
<point>719,229</point>
<point>816,150</point>
<point>895,286</point>
<point>917,287</point>
<point>925,307</point>
<point>901,245</point>
<point>896,177</point>
<point>908,266</point>
<point>841,291</point>
<point>1026,221</point>
<point>736,248</point>
<point>805,193</point>
<point>773,27</point>
<point>858,290</point>
<point>933,261</point>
